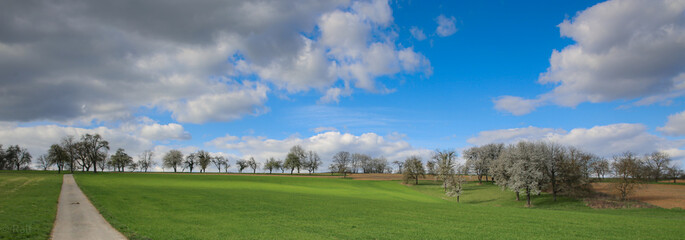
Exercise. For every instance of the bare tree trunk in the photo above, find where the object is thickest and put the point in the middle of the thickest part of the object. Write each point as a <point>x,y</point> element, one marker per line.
<point>517,196</point>
<point>528,196</point>
<point>457,198</point>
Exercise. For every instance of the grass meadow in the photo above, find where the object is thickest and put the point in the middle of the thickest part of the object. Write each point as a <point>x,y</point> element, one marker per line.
<point>189,206</point>
<point>28,204</point>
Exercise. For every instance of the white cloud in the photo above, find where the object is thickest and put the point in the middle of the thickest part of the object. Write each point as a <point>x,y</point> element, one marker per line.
<point>513,135</point>
<point>446,26</point>
<point>164,132</point>
<point>101,62</point>
<point>675,126</point>
<point>377,11</point>
<point>624,49</point>
<point>38,139</point>
<point>324,129</point>
<point>363,47</point>
<point>222,106</point>
<point>417,33</point>
<point>606,140</point>
<point>325,144</point>
<point>516,105</point>
<point>334,94</point>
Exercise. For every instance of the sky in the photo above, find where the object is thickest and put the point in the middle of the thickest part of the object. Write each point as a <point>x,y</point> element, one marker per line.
<point>386,78</point>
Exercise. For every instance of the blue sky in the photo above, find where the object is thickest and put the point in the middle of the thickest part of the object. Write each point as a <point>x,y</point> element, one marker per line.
<point>347,75</point>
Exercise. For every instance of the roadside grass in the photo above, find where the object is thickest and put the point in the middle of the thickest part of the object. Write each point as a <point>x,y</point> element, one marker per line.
<point>28,203</point>
<point>170,206</point>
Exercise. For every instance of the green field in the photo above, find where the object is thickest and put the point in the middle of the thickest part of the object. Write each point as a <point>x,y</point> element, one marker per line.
<point>28,204</point>
<point>176,206</point>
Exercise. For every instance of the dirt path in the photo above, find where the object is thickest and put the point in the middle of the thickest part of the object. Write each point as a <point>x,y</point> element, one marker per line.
<point>77,218</point>
<point>662,195</point>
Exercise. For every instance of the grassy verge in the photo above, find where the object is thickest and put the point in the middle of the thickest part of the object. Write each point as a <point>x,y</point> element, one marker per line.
<point>167,206</point>
<point>28,204</point>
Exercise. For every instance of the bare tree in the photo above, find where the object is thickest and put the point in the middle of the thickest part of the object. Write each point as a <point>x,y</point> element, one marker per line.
<point>203,159</point>
<point>44,162</point>
<point>341,163</point>
<point>432,169</point>
<point>69,146</point>
<point>145,162</point>
<point>399,166</point>
<point>601,168</point>
<point>94,150</point>
<point>219,162</point>
<point>190,162</point>
<point>173,159</point>
<point>253,164</point>
<point>413,169</point>
<point>300,156</point>
<point>657,164</point>
<point>476,161</point>
<point>312,162</point>
<point>17,158</point>
<point>674,173</point>
<point>279,165</point>
<point>242,164</point>
<point>480,159</point>
<point>626,167</point>
<point>271,164</point>
<point>358,161</point>
<point>120,160</point>
<point>552,156</point>
<point>58,156</point>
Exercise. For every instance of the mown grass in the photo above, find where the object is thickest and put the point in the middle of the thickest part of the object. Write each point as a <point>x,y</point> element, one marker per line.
<point>28,203</point>
<point>168,206</point>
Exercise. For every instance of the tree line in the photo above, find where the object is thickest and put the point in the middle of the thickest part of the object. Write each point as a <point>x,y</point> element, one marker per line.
<point>527,168</point>
<point>532,167</point>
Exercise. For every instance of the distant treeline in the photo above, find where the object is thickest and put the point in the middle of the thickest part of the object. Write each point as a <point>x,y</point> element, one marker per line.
<point>523,167</point>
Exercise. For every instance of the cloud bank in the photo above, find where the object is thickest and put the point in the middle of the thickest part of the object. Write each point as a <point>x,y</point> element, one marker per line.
<point>623,50</point>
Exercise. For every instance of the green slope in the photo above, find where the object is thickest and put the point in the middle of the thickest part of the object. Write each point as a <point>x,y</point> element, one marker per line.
<point>167,206</point>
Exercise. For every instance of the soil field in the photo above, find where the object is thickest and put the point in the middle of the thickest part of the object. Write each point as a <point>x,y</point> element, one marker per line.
<point>662,195</point>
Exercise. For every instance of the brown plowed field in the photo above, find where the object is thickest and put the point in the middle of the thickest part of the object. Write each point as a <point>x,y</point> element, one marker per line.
<point>662,195</point>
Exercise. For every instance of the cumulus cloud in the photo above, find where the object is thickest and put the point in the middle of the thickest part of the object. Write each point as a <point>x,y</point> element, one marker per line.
<point>38,139</point>
<point>624,49</point>
<point>516,105</point>
<point>417,33</point>
<point>333,94</point>
<point>446,26</point>
<point>164,132</point>
<point>675,126</point>
<point>222,106</point>
<point>606,140</point>
<point>86,60</point>
<point>326,144</point>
